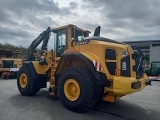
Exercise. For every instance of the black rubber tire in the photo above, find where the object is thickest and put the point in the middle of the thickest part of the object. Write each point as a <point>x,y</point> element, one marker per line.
<point>32,87</point>
<point>88,87</point>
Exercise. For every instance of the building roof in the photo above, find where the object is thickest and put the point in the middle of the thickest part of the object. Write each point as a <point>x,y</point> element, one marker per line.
<point>143,43</point>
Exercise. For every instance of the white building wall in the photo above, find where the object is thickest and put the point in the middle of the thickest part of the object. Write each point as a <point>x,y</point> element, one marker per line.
<point>154,53</point>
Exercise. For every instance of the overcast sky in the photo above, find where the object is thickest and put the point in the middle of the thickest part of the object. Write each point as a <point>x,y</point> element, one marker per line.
<point>21,21</point>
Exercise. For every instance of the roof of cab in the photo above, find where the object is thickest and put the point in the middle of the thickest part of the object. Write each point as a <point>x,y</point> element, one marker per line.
<point>66,26</point>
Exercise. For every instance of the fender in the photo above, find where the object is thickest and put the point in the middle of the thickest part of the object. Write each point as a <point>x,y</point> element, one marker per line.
<point>41,78</point>
<point>69,58</point>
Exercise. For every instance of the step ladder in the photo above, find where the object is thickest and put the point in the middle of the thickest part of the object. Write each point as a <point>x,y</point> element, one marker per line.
<point>53,67</point>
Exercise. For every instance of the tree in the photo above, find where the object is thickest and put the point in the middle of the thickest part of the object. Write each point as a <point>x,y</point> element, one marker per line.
<point>13,47</point>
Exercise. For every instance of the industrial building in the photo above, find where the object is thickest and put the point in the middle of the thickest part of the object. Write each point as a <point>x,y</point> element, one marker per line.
<point>150,48</point>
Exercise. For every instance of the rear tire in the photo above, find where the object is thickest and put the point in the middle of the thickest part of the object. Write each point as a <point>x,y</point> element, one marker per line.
<point>77,89</point>
<point>26,81</point>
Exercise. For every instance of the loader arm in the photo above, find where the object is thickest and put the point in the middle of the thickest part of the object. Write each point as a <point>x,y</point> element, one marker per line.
<point>44,36</point>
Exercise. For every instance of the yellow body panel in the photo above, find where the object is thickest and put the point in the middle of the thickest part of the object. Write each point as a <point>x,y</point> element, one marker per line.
<point>40,69</point>
<point>122,85</point>
<point>50,61</point>
<point>96,52</point>
<point>17,63</point>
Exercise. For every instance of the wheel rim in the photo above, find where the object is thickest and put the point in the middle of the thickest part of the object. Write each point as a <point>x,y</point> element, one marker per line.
<point>23,80</point>
<point>71,89</point>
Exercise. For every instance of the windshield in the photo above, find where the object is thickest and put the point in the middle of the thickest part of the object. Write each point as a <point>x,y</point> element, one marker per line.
<point>156,65</point>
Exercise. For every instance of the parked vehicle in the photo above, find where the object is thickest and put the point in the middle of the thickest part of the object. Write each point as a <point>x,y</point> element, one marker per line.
<point>154,70</point>
<point>81,69</point>
<point>10,62</point>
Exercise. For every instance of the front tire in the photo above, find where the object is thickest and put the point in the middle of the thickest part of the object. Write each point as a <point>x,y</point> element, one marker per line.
<point>77,89</point>
<point>26,81</point>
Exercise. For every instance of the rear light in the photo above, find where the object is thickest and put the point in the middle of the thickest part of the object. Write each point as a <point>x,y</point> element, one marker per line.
<point>118,72</point>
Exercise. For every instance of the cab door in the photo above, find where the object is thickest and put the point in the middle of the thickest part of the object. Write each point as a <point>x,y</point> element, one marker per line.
<point>60,42</point>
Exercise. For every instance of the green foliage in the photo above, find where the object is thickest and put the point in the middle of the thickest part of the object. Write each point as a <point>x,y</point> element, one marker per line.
<point>147,71</point>
<point>13,47</point>
<point>8,46</point>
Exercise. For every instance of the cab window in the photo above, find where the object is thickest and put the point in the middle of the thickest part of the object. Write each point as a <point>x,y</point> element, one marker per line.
<point>77,34</point>
<point>61,42</point>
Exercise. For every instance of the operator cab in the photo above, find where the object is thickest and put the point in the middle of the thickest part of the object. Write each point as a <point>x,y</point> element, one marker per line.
<point>64,36</point>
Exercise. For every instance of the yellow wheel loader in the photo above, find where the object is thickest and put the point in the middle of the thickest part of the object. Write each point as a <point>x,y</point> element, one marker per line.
<point>10,62</point>
<point>81,69</point>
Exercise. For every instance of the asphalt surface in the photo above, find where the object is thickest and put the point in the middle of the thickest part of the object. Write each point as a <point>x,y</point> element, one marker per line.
<point>143,105</point>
